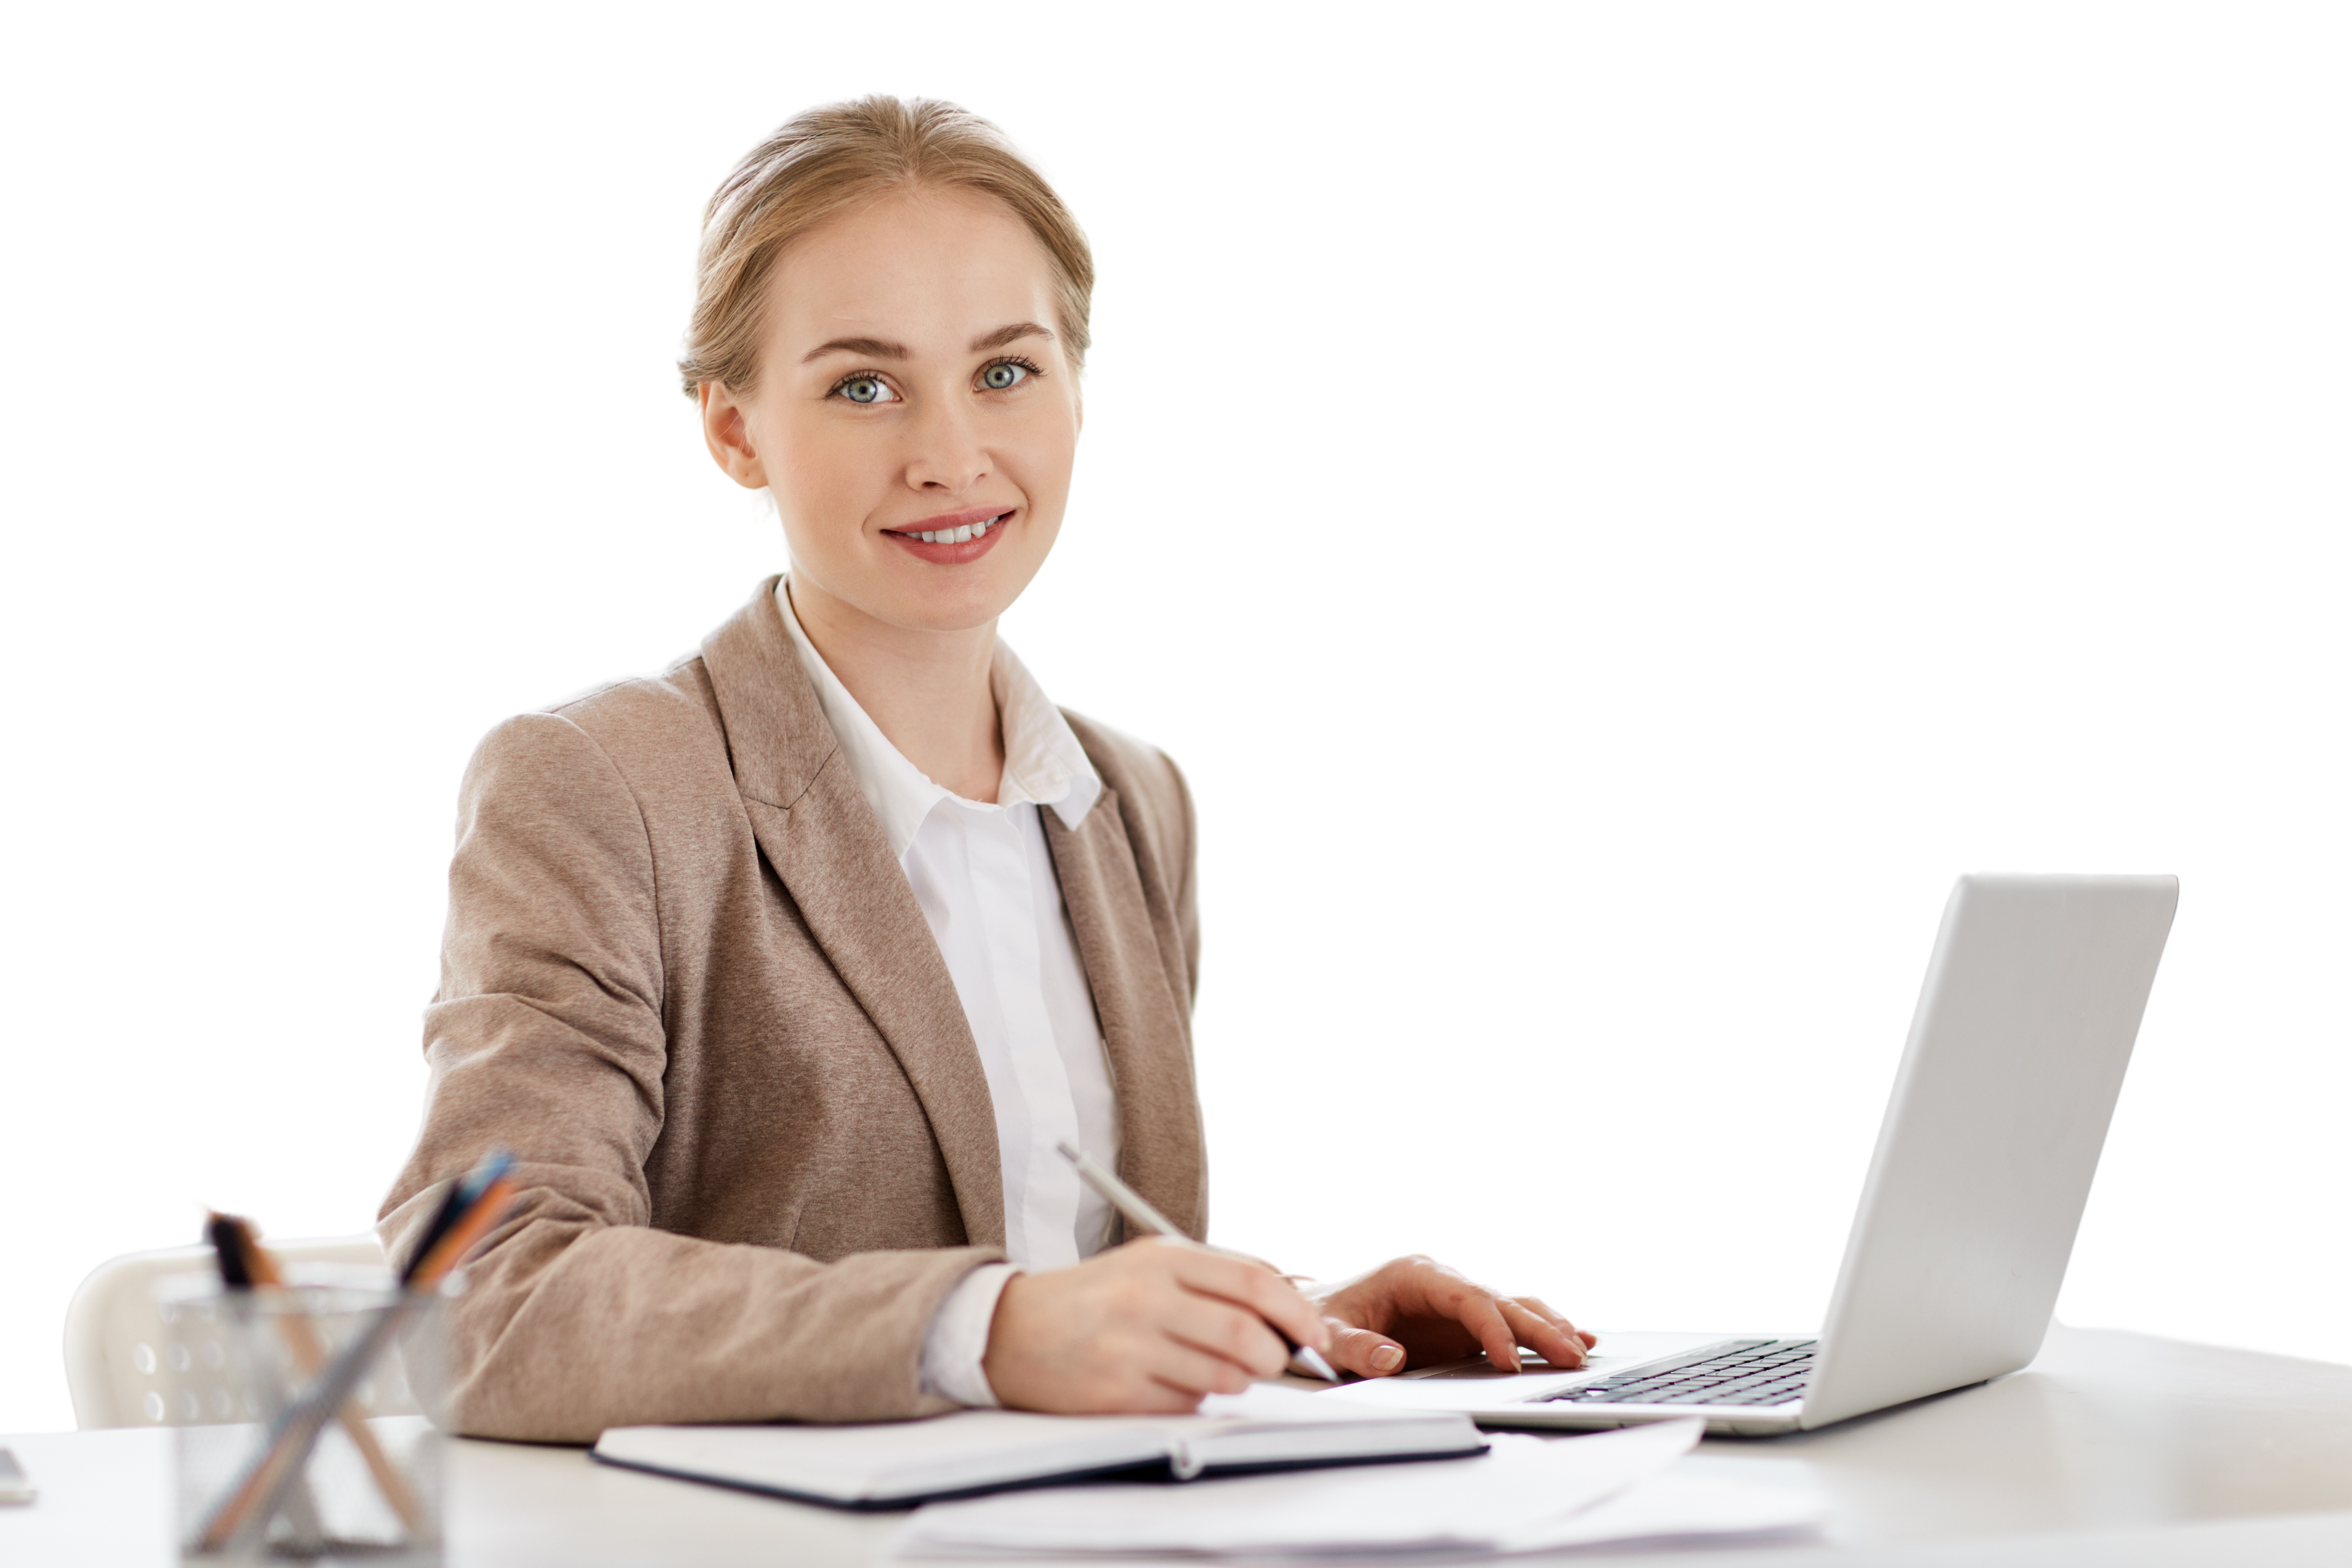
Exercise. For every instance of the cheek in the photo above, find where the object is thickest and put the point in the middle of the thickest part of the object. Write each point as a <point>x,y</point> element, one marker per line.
<point>1042,460</point>
<point>824,474</point>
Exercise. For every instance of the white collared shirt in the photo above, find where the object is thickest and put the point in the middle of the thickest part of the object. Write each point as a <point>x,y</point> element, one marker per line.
<point>986,884</point>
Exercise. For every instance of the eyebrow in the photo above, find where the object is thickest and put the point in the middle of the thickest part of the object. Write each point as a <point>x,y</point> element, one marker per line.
<point>1012,334</point>
<point>870,348</point>
<point>883,348</point>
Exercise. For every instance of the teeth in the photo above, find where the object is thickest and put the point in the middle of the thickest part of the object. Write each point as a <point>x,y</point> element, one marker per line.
<point>958,535</point>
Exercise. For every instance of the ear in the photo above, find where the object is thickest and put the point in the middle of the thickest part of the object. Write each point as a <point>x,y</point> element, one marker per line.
<point>729,435</point>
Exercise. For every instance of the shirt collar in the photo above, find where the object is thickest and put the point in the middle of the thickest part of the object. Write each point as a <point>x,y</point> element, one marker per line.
<point>1043,763</point>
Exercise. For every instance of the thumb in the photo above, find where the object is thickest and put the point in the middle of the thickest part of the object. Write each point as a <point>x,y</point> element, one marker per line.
<point>1362,1351</point>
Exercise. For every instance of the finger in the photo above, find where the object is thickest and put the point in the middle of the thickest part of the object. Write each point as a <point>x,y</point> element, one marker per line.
<point>1544,1309</point>
<point>1482,1314</point>
<point>1362,1351</point>
<point>1246,1285</point>
<point>1248,1258</point>
<point>1198,1372</point>
<point>1420,1287</point>
<point>1438,1289</point>
<point>1233,1334</point>
<point>1544,1318</point>
<point>1165,1399</point>
<point>1555,1341</point>
<point>1536,1304</point>
<point>1161,1399</point>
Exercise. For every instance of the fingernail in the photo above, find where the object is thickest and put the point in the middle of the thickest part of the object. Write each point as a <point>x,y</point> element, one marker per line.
<point>1388,1358</point>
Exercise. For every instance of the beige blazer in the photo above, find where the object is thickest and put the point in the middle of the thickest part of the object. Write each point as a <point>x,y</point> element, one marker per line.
<point>686,981</point>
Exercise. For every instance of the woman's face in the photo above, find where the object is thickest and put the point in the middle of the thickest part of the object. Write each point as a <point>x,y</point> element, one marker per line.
<point>911,386</point>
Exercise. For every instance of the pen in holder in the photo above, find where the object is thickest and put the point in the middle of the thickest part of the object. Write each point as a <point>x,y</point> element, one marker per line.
<point>288,1494</point>
<point>298,1472</point>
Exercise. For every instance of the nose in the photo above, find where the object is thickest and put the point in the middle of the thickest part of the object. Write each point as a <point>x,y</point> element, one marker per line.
<point>947,458</point>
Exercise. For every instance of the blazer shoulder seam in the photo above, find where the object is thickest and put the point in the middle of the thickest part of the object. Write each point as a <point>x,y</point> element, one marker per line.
<point>612,683</point>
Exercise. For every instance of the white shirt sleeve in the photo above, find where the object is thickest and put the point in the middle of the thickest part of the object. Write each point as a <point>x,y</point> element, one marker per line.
<point>957,1341</point>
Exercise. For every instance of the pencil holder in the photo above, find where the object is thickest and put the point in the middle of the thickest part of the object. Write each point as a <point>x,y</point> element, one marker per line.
<point>290,1465</point>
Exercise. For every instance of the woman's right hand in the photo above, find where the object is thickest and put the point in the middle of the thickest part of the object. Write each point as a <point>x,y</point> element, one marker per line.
<point>1149,1327</point>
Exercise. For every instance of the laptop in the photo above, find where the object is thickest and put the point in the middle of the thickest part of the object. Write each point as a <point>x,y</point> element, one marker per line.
<point>2016,1052</point>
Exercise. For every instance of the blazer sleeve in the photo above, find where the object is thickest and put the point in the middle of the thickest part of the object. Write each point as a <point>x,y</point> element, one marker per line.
<point>546,1036</point>
<point>1188,899</point>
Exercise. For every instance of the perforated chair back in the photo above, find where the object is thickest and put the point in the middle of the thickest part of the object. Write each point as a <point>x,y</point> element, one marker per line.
<point>120,1351</point>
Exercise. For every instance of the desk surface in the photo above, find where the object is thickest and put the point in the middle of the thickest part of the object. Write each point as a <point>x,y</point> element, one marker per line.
<point>2110,1448</point>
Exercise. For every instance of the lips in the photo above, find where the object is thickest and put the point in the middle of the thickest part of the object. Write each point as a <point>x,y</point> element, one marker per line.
<point>954,538</point>
<point>948,533</point>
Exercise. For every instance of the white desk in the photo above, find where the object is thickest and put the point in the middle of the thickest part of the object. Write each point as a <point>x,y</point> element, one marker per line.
<point>2110,1448</point>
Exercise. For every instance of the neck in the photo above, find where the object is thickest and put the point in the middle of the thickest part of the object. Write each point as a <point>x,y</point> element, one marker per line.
<point>928,692</point>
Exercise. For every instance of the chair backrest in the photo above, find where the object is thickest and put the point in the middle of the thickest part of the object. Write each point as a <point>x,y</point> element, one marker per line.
<point>120,1353</point>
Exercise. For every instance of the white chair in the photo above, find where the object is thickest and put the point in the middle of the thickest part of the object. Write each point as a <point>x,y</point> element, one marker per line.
<point>119,1354</point>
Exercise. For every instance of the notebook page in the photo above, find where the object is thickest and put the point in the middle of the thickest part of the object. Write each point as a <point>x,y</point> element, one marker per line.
<point>970,1449</point>
<point>1271,1425</point>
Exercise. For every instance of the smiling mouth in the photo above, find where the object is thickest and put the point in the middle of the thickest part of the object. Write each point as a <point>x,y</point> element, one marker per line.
<point>961,535</point>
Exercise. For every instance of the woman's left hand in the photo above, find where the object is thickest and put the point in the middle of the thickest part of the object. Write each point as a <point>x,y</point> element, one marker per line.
<point>1416,1311</point>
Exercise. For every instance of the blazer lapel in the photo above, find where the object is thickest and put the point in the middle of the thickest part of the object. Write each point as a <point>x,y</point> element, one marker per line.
<point>1146,1028</point>
<point>828,847</point>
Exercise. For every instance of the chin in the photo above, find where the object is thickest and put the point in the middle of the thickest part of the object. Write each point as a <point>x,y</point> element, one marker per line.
<point>956,599</point>
<point>915,596</point>
<point>947,606</point>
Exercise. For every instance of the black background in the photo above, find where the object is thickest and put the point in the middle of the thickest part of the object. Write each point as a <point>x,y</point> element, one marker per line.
<point>1605,572</point>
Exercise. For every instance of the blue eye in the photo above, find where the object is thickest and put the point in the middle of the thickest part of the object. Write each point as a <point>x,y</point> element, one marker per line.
<point>1005,373</point>
<point>864,389</point>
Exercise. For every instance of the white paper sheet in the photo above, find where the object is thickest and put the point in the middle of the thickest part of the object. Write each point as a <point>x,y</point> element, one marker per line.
<point>1675,1505</point>
<point>1528,1493</point>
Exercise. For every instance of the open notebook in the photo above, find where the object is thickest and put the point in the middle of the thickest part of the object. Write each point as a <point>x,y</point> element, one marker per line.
<point>898,1463</point>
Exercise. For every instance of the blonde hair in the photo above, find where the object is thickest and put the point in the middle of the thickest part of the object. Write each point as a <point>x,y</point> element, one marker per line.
<point>828,160</point>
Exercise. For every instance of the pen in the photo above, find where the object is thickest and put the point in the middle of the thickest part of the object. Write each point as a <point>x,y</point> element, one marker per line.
<point>1143,1217</point>
<point>245,1264</point>
<point>473,1204</point>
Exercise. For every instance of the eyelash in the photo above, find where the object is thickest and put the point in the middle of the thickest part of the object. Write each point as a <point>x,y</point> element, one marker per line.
<point>1027,365</point>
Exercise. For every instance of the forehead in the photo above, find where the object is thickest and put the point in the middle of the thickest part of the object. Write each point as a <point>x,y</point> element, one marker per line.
<point>929,269</point>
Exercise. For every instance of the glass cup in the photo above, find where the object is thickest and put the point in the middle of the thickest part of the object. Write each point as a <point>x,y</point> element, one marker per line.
<point>295,1459</point>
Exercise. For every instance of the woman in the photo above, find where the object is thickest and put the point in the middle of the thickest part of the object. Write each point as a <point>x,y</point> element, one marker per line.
<point>784,972</point>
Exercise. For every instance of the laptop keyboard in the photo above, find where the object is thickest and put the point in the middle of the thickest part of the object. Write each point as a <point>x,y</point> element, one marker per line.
<point>1735,1372</point>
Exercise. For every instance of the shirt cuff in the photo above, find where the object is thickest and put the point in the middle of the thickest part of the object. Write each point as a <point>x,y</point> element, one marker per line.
<point>957,1341</point>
